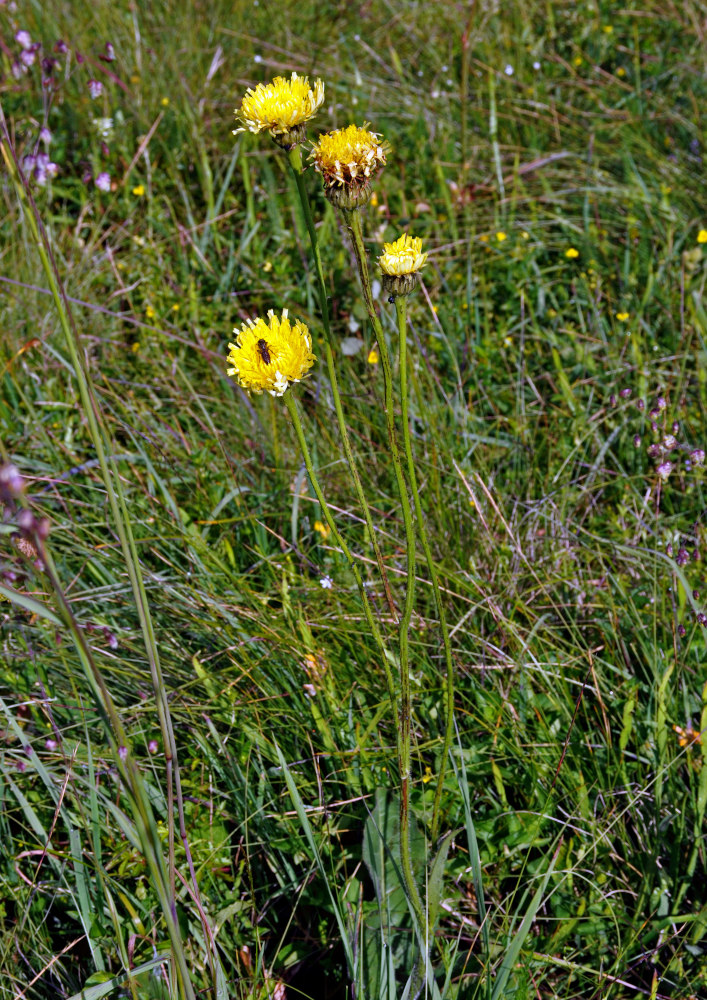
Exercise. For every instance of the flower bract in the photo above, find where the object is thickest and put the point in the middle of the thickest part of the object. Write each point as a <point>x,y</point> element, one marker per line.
<point>348,157</point>
<point>270,353</point>
<point>404,256</point>
<point>282,107</point>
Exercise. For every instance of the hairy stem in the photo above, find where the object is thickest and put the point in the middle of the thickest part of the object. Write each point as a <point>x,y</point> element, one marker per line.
<point>367,609</point>
<point>401,312</point>
<point>353,222</point>
<point>295,158</point>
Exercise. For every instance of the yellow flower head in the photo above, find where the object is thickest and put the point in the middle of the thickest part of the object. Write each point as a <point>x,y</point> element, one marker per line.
<point>281,108</point>
<point>347,158</point>
<point>572,253</point>
<point>400,263</point>
<point>404,256</point>
<point>702,236</point>
<point>270,354</point>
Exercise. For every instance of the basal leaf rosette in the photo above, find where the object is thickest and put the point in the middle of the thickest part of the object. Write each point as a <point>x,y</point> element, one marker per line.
<point>270,354</point>
<point>400,263</point>
<point>282,108</point>
<point>347,158</point>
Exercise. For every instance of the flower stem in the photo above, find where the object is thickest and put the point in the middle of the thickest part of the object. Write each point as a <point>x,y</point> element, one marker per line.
<point>367,609</point>
<point>295,158</point>
<point>353,222</point>
<point>164,881</point>
<point>401,312</point>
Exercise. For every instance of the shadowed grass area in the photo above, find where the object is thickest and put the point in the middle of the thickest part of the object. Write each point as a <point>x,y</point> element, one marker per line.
<point>551,159</point>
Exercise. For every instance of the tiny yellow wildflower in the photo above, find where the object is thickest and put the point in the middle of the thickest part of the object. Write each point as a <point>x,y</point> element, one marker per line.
<point>176,307</point>
<point>323,529</point>
<point>688,736</point>
<point>270,354</point>
<point>622,317</point>
<point>572,253</point>
<point>347,158</point>
<point>484,238</point>
<point>525,234</point>
<point>702,236</point>
<point>136,347</point>
<point>150,312</point>
<point>139,190</point>
<point>621,71</point>
<point>267,266</point>
<point>501,236</point>
<point>281,108</point>
<point>578,60</point>
<point>374,199</point>
<point>608,29</point>
<point>427,776</point>
<point>373,356</point>
<point>164,102</point>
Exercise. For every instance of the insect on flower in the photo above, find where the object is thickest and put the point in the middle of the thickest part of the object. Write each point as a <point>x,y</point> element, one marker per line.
<point>269,354</point>
<point>264,351</point>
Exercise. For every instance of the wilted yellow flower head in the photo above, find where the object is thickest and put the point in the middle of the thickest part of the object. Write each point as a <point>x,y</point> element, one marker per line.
<point>269,354</point>
<point>281,108</point>
<point>400,262</point>
<point>347,158</point>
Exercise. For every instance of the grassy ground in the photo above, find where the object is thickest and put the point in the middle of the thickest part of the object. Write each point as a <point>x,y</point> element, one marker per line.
<point>551,158</point>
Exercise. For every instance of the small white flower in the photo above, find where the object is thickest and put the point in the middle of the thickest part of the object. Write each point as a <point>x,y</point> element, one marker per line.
<point>509,71</point>
<point>103,126</point>
<point>102,182</point>
<point>326,582</point>
<point>23,38</point>
<point>95,88</point>
<point>536,65</point>
<point>257,58</point>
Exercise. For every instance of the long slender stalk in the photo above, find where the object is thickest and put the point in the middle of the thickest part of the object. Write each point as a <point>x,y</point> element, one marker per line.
<point>121,520</point>
<point>295,158</point>
<point>401,313</point>
<point>353,222</point>
<point>126,764</point>
<point>367,609</point>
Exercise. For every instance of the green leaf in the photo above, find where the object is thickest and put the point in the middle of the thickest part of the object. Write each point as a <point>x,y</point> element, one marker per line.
<point>105,986</point>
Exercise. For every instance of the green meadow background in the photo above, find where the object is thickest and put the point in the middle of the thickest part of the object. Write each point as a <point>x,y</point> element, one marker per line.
<point>551,157</point>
